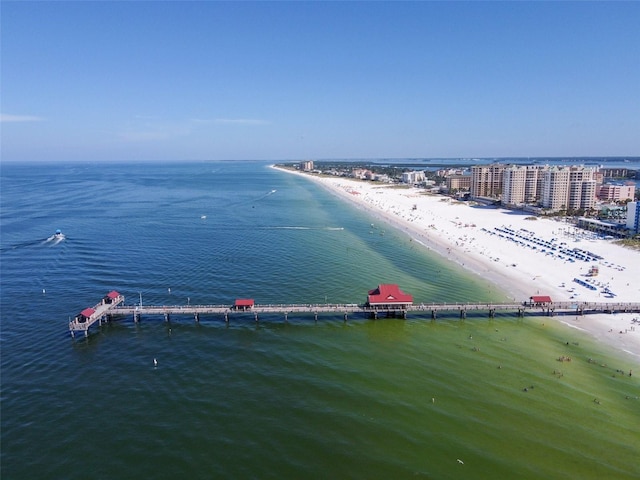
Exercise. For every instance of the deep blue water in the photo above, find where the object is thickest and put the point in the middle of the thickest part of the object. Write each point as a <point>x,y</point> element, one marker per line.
<point>275,399</point>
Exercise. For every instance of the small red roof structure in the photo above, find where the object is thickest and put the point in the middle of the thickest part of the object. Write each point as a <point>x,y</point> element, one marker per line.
<point>87,312</point>
<point>388,295</point>
<point>243,303</point>
<point>541,299</point>
<point>111,297</point>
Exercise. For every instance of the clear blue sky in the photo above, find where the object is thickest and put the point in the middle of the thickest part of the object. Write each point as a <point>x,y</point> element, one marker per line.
<point>128,81</point>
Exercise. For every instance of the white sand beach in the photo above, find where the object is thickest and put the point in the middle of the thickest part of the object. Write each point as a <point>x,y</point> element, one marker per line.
<point>521,254</point>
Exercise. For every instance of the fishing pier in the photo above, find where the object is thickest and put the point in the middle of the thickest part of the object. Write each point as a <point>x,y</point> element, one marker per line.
<point>387,301</point>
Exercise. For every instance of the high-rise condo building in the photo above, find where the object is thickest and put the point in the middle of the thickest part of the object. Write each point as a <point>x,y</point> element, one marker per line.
<point>486,180</point>
<point>522,184</point>
<point>569,188</point>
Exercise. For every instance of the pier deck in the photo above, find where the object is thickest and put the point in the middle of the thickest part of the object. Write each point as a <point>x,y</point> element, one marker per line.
<point>431,310</point>
<point>101,311</point>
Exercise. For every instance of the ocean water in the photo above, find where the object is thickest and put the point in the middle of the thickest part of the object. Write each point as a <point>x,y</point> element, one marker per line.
<point>363,399</point>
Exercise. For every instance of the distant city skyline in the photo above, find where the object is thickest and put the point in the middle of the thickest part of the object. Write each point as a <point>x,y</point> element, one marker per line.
<point>174,81</point>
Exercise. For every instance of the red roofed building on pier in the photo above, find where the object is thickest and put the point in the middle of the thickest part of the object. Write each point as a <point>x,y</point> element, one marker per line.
<point>111,297</point>
<point>243,304</point>
<point>388,296</point>
<point>540,300</point>
<point>85,314</point>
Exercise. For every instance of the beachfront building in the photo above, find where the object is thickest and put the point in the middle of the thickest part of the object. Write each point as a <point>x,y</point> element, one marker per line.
<point>458,183</point>
<point>569,188</point>
<point>582,188</point>
<point>633,217</point>
<point>413,177</point>
<point>361,174</point>
<point>606,229</point>
<point>616,192</point>
<point>388,297</point>
<point>535,183</point>
<point>555,189</point>
<point>306,166</point>
<point>522,184</point>
<point>513,185</point>
<point>486,180</point>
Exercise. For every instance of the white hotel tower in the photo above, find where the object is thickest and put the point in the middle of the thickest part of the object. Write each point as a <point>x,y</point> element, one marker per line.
<point>569,187</point>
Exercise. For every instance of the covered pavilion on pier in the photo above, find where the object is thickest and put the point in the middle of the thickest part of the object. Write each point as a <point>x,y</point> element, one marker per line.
<point>389,297</point>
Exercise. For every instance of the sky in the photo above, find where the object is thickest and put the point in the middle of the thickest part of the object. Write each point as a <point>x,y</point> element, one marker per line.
<point>185,81</point>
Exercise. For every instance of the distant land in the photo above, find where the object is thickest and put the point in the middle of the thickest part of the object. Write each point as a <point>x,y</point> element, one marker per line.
<point>631,162</point>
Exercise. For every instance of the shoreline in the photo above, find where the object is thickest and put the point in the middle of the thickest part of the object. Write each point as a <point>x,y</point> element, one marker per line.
<point>505,248</point>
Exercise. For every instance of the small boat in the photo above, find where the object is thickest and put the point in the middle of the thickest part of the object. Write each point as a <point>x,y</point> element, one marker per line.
<point>58,233</point>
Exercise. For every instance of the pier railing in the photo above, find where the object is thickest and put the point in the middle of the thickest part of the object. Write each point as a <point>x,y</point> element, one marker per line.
<point>117,309</point>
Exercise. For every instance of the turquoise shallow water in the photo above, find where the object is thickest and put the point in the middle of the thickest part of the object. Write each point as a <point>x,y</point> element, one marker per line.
<point>361,399</point>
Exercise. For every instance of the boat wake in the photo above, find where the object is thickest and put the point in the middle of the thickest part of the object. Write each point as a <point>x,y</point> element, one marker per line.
<point>268,194</point>
<point>288,228</point>
<point>253,200</point>
<point>49,241</point>
<point>56,238</point>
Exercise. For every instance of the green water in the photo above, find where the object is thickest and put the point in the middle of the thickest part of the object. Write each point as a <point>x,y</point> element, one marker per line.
<point>414,397</point>
<point>365,399</point>
<point>375,399</point>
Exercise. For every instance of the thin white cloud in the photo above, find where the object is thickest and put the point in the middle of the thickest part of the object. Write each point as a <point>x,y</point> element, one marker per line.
<point>6,117</point>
